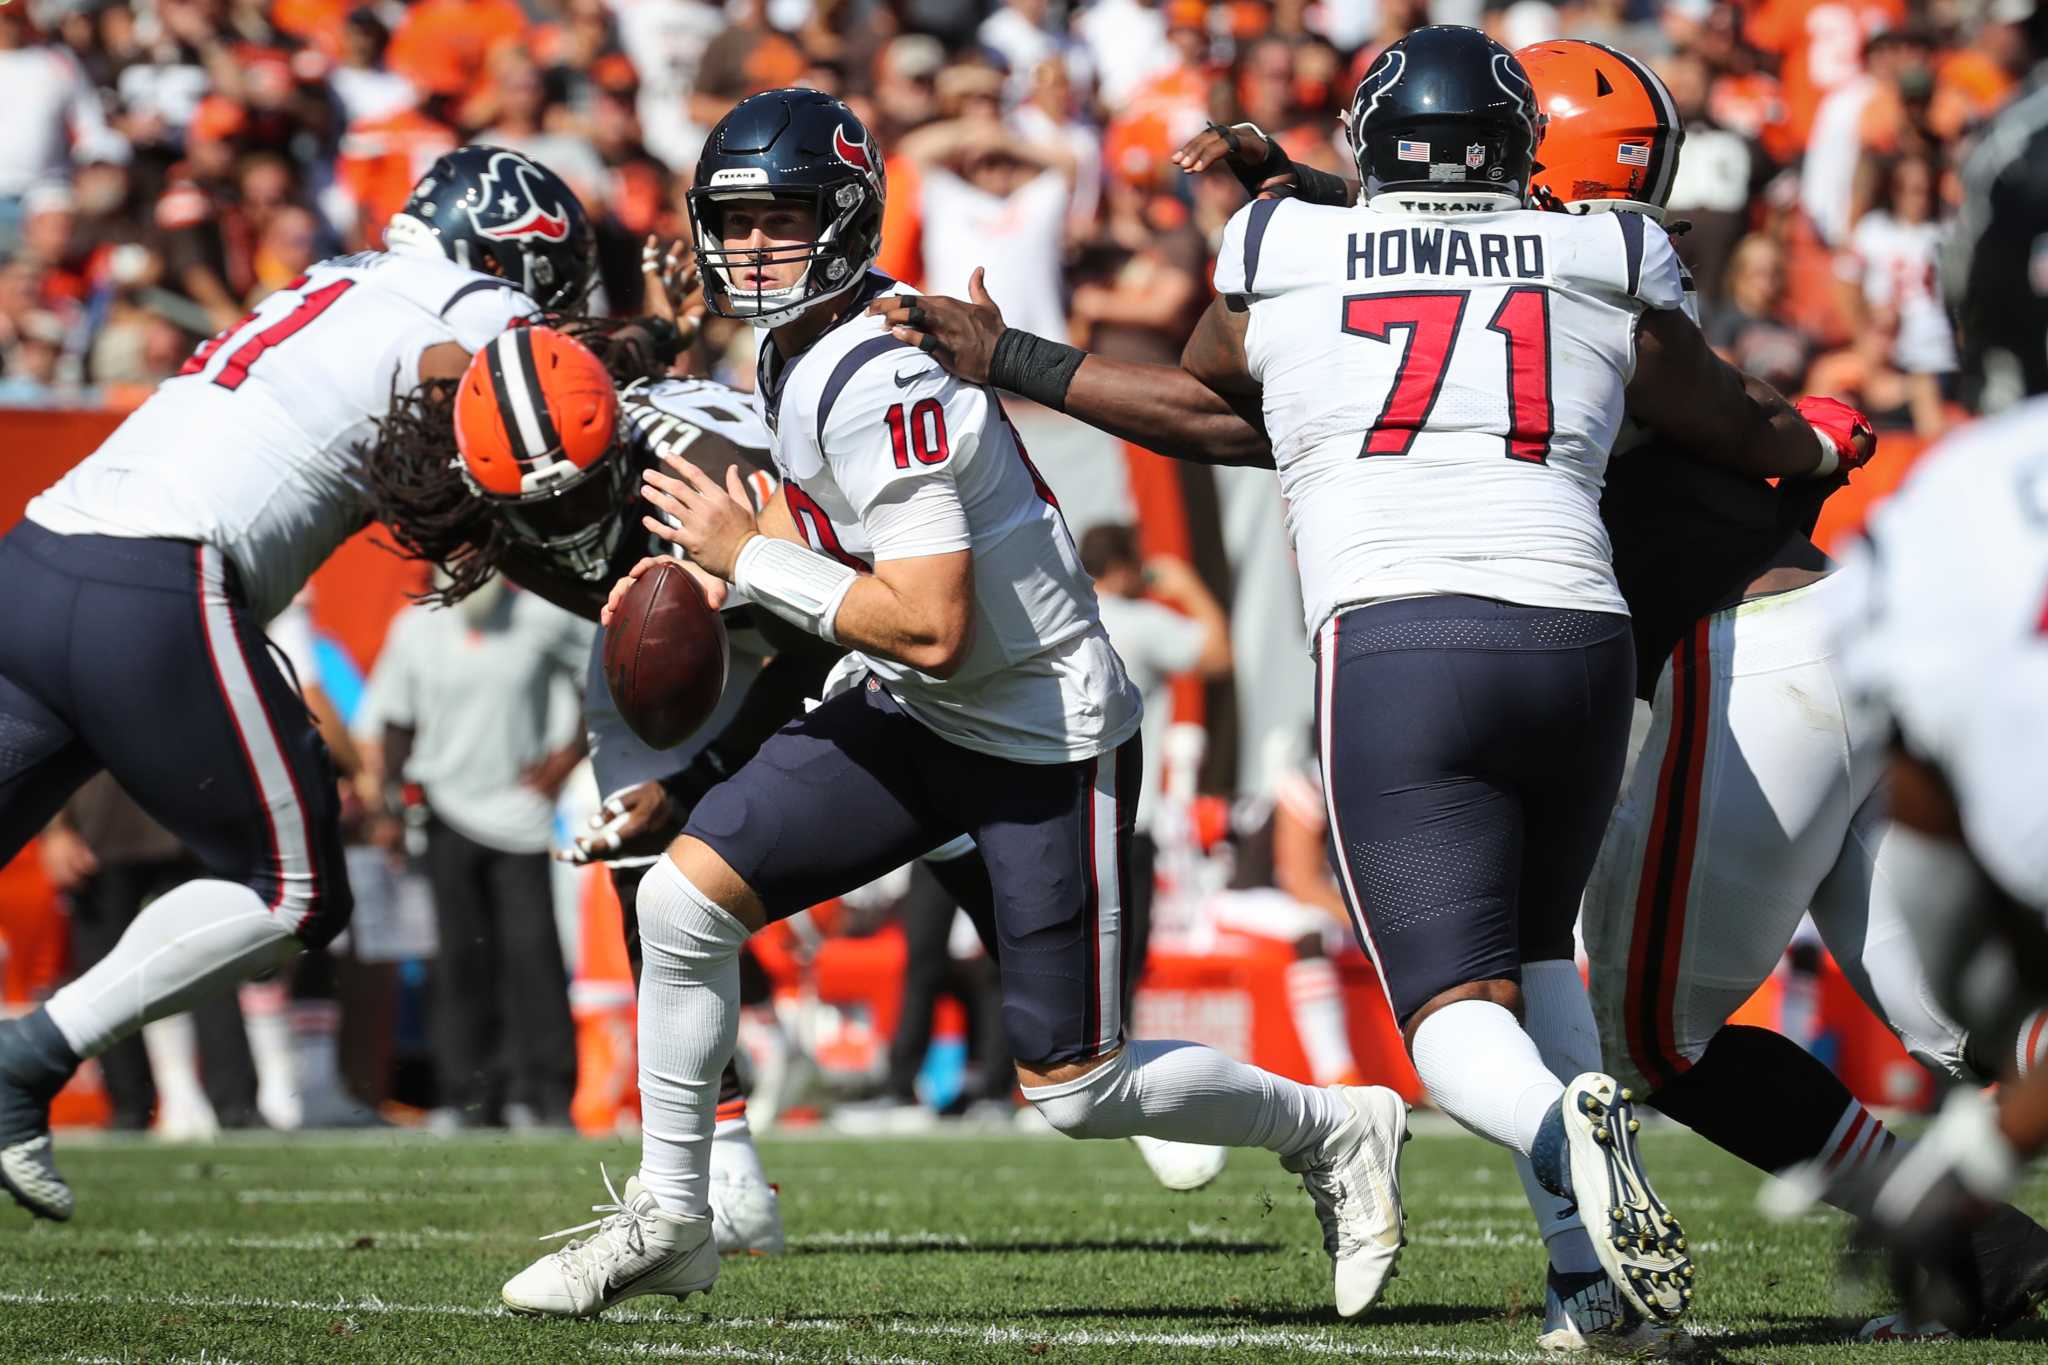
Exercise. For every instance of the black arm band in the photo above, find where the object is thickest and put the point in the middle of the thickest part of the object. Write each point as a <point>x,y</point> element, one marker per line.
<point>1034,368</point>
<point>1253,178</point>
<point>1320,187</point>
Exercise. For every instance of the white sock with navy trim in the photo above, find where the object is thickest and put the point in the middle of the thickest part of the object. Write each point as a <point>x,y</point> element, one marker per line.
<point>689,1024</point>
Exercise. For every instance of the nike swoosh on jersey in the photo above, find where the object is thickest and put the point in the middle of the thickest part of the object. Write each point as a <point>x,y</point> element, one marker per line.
<point>904,381</point>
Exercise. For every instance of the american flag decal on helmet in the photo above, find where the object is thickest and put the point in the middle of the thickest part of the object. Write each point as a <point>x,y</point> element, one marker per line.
<point>1633,154</point>
<point>1411,151</point>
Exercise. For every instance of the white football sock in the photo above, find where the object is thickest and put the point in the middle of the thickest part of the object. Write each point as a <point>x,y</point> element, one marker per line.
<point>689,1022</point>
<point>266,1017</point>
<point>1558,1017</point>
<point>1484,1071</point>
<point>1315,998</point>
<point>1185,1092</point>
<point>186,945</point>
<point>183,1113</point>
<point>732,1152</point>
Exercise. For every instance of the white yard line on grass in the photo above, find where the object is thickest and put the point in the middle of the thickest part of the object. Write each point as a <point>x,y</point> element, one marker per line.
<point>725,1350</point>
<point>1282,1338</point>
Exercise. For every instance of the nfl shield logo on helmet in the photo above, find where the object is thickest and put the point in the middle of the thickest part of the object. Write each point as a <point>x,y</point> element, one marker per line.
<point>1412,151</point>
<point>1475,155</point>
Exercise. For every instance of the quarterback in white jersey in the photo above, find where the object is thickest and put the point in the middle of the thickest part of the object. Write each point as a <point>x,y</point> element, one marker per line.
<point>988,701</point>
<point>1438,373</point>
<point>131,634</point>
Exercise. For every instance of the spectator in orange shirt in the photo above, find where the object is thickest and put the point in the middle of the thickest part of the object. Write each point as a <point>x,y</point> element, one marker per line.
<point>381,160</point>
<point>442,46</point>
<point>1819,46</point>
<point>1970,84</point>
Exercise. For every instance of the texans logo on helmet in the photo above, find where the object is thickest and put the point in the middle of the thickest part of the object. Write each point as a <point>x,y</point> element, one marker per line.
<point>517,204</point>
<point>856,154</point>
<point>1386,73</point>
<point>1507,74</point>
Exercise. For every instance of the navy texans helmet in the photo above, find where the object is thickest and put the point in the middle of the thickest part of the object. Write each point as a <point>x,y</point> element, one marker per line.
<point>1446,110</point>
<point>505,214</point>
<point>789,145</point>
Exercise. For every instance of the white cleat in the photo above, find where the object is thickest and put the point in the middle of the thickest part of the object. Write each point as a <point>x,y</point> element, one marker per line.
<point>1355,1181</point>
<point>1586,1315</point>
<point>1905,1327</point>
<point>1638,1242</point>
<point>29,1173</point>
<point>746,1214</point>
<point>637,1249</point>
<point>1182,1166</point>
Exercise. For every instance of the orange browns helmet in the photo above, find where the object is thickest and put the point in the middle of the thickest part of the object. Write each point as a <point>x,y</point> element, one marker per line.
<point>535,417</point>
<point>1614,133</point>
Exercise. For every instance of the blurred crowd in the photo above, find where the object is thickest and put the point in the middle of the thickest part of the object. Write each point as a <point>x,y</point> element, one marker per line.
<point>167,162</point>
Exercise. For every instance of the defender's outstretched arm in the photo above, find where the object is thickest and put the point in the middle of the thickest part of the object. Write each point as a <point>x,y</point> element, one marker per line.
<point>1205,410</point>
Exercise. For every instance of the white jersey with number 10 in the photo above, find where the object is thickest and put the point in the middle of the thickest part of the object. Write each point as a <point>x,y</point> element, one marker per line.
<point>255,447</point>
<point>1442,392</point>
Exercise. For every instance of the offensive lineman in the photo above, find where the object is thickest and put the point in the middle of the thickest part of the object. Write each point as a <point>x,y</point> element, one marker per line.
<point>1441,375</point>
<point>984,698</point>
<point>1699,550</point>
<point>1753,765</point>
<point>131,631</point>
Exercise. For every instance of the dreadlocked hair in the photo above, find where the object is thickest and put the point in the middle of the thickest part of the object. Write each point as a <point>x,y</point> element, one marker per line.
<point>417,491</point>
<point>630,348</point>
<point>416,488</point>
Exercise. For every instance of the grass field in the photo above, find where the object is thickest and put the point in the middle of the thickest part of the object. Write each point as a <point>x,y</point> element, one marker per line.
<point>391,1249</point>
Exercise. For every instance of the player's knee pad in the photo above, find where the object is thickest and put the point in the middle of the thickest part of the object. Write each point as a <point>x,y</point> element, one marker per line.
<point>1101,1104</point>
<point>680,922</point>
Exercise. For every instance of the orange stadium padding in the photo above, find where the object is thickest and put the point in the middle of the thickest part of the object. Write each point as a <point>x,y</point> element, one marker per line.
<point>601,1000</point>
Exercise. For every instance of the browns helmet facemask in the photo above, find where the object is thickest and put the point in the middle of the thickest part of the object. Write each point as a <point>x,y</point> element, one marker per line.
<point>535,421</point>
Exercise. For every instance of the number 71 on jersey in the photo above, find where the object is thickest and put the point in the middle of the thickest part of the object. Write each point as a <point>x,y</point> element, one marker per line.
<point>1428,322</point>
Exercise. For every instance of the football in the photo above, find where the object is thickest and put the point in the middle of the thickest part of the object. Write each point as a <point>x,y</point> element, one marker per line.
<point>665,656</point>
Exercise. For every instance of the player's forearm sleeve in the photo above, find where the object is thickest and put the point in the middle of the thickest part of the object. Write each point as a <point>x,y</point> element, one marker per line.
<point>1321,187</point>
<point>798,584</point>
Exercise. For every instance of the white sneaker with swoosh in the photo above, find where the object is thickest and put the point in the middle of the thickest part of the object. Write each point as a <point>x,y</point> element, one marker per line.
<point>638,1249</point>
<point>1354,1179</point>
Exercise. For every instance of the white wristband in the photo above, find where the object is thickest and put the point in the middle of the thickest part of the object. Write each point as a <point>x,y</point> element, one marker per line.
<point>1830,459</point>
<point>800,585</point>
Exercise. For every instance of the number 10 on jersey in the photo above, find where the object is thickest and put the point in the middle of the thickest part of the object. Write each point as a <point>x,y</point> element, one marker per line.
<point>1428,324</point>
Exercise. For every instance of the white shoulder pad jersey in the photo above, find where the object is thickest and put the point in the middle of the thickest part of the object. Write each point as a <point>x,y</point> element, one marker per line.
<point>712,407</point>
<point>255,448</point>
<point>1950,633</point>
<point>884,456</point>
<point>1442,391</point>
